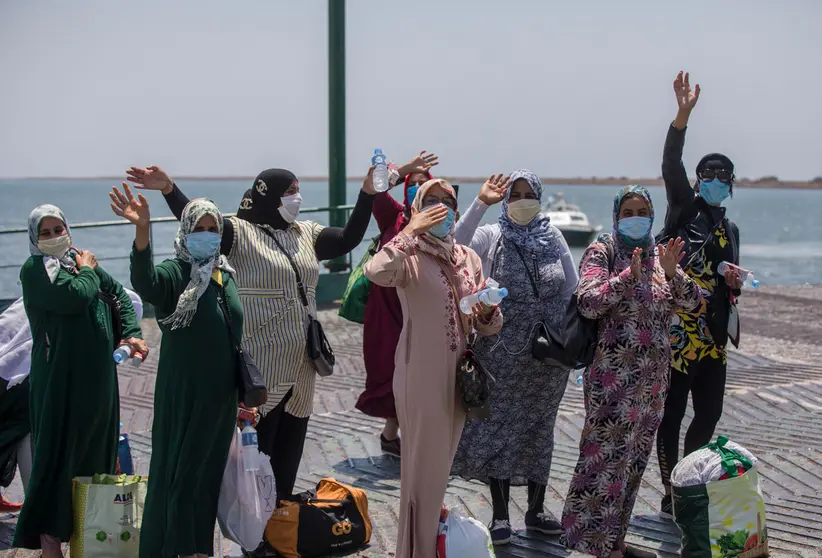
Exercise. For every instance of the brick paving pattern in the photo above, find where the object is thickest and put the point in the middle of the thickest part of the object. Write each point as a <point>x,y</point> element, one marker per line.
<point>773,406</point>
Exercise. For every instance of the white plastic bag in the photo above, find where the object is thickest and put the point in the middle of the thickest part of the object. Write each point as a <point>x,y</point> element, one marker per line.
<point>465,537</point>
<point>247,498</point>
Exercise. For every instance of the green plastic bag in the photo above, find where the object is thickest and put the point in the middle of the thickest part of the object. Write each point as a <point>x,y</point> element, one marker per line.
<point>352,307</point>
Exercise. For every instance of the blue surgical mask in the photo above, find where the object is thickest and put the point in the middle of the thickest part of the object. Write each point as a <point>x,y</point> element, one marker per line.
<point>410,194</point>
<point>635,228</point>
<point>714,192</point>
<point>443,229</point>
<point>203,245</point>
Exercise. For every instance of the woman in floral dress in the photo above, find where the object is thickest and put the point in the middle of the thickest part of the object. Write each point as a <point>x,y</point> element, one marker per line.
<point>633,298</point>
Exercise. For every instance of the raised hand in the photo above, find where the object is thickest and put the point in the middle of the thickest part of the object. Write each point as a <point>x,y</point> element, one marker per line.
<point>423,162</point>
<point>636,264</point>
<point>134,210</point>
<point>685,98</point>
<point>86,259</point>
<point>494,189</point>
<point>422,221</point>
<point>150,178</point>
<point>670,256</point>
<point>368,182</point>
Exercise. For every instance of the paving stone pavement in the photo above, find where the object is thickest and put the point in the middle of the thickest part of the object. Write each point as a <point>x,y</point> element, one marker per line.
<point>772,407</point>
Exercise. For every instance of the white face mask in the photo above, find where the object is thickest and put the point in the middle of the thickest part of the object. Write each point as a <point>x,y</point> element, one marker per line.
<point>290,207</point>
<point>523,212</point>
<point>56,247</point>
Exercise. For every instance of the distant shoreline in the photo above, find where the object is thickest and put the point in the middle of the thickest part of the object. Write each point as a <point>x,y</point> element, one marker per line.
<point>587,181</point>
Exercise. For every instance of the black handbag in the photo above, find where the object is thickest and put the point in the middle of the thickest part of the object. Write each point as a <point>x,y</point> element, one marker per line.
<point>317,346</point>
<point>113,302</point>
<point>251,388</point>
<point>573,343</point>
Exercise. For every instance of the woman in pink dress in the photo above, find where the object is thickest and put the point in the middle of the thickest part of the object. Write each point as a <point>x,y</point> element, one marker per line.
<point>431,274</point>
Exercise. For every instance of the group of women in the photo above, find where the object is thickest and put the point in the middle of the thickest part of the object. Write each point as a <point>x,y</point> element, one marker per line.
<point>239,280</point>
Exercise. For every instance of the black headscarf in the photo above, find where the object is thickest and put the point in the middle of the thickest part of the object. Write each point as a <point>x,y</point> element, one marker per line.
<point>261,202</point>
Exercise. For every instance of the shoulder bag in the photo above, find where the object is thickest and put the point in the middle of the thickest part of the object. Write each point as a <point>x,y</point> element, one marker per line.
<point>317,345</point>
<point>251,388</point>
<point>573,345</point>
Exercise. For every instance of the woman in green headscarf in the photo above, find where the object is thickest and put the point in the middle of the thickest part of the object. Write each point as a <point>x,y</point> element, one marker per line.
<point>74,398</point>
<point>195,398</point>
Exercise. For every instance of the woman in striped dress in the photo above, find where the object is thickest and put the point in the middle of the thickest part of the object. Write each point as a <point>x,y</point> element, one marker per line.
<point>275,318</point>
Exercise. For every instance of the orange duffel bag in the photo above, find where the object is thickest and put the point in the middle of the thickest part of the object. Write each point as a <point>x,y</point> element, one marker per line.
<point>330,519</point>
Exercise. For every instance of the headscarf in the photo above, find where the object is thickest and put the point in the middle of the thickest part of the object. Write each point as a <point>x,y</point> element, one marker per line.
<point>261,202</point>
<point>535,235</point>
<point>200,271</point>
<point>642,192</point>
<point>52,264</point>
<point>442,248</point>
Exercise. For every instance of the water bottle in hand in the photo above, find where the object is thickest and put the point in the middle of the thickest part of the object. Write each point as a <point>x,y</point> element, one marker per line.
<point>122,353</point>
<point>491,295</point>
<point>251,452</point>
<point>746,276</point>
<point>380,175</point>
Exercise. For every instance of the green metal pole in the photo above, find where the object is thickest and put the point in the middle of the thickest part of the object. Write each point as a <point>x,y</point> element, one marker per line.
<point>336,120</point>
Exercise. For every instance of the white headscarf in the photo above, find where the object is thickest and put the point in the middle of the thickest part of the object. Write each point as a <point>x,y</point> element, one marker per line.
<point>200,271</point>
<point>52,264</point>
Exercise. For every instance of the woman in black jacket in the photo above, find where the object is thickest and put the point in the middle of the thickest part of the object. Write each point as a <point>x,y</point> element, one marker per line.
<point>698,339</point>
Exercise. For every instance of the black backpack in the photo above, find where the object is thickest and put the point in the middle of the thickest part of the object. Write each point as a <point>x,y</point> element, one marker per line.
<point>573,344</point>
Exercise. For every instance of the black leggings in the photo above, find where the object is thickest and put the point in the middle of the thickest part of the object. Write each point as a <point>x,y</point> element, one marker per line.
<point>705,381</point>
<point>501,492</point>
<point>282,436</point>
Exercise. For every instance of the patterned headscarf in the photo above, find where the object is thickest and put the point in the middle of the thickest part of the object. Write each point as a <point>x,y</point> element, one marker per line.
<point>260,203</point>
<point>52,264</point>
<point>538,233</point>
<point>443,248</point>
<point>200,271</point>
<point>643,193</point>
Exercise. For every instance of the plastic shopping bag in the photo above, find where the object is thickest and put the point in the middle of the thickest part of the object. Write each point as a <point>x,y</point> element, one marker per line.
<point>108,512</point>
<point>247,498</point>
<point>461,537</point>
<point>724,515</point>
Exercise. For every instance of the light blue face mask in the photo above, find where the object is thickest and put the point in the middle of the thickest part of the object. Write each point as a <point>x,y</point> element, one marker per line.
<point>410,194</point>
<point>714,192</point>
<point>635,228</point>
<point>443,229</point>
<point>203,245</point>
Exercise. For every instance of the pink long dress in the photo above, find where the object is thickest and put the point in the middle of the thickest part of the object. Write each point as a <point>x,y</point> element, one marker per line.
<point>430,345</point>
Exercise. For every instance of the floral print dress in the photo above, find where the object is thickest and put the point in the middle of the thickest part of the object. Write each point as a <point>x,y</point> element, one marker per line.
<point>624,388</point>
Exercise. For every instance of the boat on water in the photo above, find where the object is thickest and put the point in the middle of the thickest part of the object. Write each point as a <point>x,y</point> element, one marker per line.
<point>570,220</point>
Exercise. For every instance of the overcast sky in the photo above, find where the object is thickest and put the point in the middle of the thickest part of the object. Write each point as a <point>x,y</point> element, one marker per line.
<point>210,87</point>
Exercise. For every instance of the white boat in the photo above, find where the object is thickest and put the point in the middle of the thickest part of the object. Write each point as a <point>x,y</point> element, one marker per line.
<point>570,220</point>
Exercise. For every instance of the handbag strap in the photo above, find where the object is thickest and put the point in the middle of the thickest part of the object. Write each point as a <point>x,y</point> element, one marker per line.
<point>223,304</point>
<point>528,271</point>
<point>704,243</point>
<point>300,287</point>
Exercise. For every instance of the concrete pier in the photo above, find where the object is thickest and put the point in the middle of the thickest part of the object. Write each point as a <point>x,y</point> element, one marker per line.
<point>773,406</point>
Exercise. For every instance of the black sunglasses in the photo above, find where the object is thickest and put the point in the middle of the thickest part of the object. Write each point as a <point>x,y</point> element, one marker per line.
<point>723,175</point>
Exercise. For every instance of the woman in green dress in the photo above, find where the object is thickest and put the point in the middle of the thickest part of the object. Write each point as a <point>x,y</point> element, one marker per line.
<point>195,401</point>
<point>74,399</point>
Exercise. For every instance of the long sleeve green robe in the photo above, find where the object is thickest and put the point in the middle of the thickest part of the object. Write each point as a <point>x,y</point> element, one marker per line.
<point>195,409</point>
<point>74,398</point>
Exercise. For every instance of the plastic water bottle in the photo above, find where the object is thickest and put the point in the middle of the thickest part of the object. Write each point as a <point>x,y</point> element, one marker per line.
<point>491,295</point>
<point>251,452</point>
<point>122,353</point>
<point>747,277</point>
<point>380,175</point>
